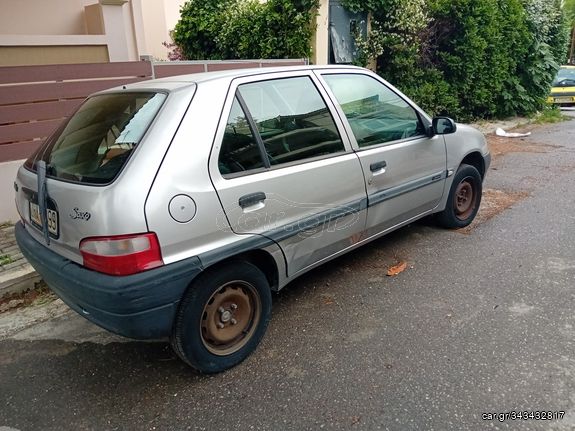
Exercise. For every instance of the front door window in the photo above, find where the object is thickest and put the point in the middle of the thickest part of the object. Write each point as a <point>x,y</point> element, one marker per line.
<point>375,113</point>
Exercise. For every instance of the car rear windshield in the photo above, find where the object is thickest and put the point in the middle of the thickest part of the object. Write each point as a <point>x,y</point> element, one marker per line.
<point>95,143</point>
<point>565,77</point>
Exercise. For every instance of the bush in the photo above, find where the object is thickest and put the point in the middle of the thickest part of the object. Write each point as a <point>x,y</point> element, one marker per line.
<point>196,31</point>
<point>467,58</point>
<point>235,29</point>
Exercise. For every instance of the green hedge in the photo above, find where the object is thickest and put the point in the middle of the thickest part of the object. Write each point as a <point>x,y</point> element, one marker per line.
<point>235,29</point>
<point>467,58</point>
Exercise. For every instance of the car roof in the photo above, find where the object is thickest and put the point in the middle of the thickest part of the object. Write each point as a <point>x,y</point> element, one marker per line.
<point>179,81</point>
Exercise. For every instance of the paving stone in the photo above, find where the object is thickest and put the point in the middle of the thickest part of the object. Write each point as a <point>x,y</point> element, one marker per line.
<point>9,229</point>
<point>17,256</point>
<point>18,275</point>
<point>13,265</point>
<point>14,249</point>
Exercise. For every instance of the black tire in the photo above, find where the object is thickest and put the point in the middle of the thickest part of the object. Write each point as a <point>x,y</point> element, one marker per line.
<point>463,200</point>
<point>222,317</point>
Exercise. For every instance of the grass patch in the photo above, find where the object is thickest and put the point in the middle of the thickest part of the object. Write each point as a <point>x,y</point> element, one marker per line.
<point>549,115</point>
<point>5,259</point>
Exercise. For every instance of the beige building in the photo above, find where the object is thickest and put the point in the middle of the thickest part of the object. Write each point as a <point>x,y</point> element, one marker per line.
<point>93,31</point>
<point>320,44</point>
<point>84,31</point>
<point>35,32</point>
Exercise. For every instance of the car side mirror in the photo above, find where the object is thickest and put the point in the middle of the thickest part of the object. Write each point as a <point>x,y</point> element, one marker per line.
<point>443,126</point>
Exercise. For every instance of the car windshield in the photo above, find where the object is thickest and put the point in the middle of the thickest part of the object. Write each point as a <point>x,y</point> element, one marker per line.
<point>565,77</point>
<point>95,143</point>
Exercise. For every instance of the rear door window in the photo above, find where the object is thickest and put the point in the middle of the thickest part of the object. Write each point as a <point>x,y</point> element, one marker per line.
<point>292,119</point>
<point>95,143</point>
<point>287,119</point>
<point>240,151</point>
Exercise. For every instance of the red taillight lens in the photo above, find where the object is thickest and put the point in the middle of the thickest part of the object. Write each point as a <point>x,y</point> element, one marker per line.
<point>123,254</point>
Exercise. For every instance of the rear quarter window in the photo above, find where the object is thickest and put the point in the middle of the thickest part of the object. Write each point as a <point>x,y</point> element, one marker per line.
<point>95,143</point>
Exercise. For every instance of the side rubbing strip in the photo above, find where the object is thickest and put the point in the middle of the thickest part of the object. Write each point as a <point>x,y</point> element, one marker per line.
<point>392,192</point>
<point>311,222</point>
<point>281,233</point>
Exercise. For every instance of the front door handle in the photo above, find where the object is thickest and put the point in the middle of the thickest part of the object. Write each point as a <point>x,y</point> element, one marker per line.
<point>378,166</point>
<point>252,199</point>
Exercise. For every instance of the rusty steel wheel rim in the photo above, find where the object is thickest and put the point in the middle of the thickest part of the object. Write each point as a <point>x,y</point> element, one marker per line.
<point>465,199</point>
<point>230,317</point>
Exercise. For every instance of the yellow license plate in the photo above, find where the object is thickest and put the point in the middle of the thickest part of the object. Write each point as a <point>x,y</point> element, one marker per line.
<point>564,99</point>
<point>36,218</point>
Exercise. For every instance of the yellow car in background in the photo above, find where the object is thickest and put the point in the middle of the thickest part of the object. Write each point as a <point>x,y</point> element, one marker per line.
<point>563,87</point>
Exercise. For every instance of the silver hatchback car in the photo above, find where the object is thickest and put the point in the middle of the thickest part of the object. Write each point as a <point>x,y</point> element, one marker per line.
<point>173,207</point>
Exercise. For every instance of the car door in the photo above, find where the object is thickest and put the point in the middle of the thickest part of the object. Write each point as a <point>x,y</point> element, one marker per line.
<point>282,169</point>
<point>404,169</point>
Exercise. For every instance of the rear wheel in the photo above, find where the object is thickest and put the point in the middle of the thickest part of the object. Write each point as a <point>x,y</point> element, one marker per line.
<point>223,317</point>
<point>464,198</point>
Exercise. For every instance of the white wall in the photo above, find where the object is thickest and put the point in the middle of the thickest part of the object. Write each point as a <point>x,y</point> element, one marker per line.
<point>42,17</point>
<point>320,45</point>
<point>8,172</point>
<point>63,23</point>
<point>172,8</point>
<point>155,30</point>
<point>158,17</point>
<point>135,28</point>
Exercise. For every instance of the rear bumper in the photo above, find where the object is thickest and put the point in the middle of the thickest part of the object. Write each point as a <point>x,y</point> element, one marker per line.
<point>141,306</point>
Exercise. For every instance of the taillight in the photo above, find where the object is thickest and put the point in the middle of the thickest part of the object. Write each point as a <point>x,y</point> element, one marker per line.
<point>122,254</point>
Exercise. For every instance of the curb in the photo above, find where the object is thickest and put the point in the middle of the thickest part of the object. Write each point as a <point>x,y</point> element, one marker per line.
<point>487,127</point>
<point>18,281</point>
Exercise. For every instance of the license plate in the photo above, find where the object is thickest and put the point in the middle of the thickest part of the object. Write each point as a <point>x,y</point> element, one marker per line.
<point>564,99</point>
<point>52,217</point>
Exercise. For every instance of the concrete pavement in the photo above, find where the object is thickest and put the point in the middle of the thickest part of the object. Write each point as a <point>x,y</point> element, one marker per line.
<point>16,274</point>
<point>480,323</point>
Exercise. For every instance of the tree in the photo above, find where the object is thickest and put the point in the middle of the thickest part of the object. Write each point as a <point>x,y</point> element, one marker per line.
<point>548,24</point>
<point>569,7</point>
<point>467,58</point>
<point>196,31</point>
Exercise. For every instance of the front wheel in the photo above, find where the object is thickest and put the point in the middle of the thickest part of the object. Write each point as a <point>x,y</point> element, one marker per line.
<point>222,317</point>
<point>463,200</point>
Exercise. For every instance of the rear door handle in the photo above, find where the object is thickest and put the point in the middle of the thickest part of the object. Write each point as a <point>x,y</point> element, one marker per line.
<point>378,166</point>
<point>252,199</point>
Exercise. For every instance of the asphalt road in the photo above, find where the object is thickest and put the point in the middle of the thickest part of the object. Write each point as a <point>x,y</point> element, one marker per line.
<point>480,322</point>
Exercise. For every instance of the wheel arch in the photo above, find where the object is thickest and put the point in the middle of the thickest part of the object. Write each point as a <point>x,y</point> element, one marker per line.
<point>476,160</point>
<point>261,259</point>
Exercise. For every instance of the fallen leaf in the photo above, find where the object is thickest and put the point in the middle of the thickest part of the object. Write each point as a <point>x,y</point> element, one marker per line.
<point>355,419</point>
<point>327,300</point>
<point>396,269</point>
